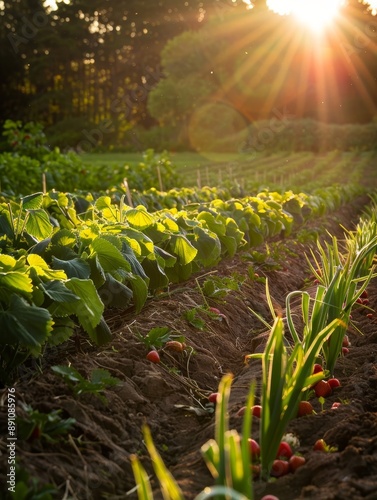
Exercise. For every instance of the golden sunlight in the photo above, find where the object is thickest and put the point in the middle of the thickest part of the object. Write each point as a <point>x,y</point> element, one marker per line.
<point>316,14</point>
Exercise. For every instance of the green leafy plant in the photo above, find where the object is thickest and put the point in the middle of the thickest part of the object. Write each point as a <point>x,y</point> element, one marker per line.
<point>158,336</point>
<point>218,287</point>
<point>287,373</point>
<point>29,488</point>
<point>343,277</point>
<point>227,457</point>
<point>100,379</point>
<point>49,426</point>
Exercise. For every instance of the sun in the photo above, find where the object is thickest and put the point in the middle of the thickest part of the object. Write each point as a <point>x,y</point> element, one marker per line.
<point>315,14</point>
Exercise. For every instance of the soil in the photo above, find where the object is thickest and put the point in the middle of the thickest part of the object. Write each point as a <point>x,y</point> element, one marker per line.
<point>93,462</point>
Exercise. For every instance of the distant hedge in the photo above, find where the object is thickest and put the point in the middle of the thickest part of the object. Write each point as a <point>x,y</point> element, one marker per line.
<point>310,135</point>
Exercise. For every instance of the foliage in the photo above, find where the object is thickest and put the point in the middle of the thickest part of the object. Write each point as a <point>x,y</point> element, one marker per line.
<point>31,166</point>
<point>286,374</point>
<point>100,379</point>
<point>227,457</point>
<point>66,258</point>
<point>37,425</point>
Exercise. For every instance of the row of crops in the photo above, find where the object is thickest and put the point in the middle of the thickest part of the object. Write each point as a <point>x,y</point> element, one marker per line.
<point>65,259</point>
<point>295,362</point>
<point>304,170</point>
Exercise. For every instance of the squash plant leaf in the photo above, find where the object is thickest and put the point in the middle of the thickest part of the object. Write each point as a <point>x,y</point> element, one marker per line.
<point>32,201</point>
<point>24,324</point>
<point>58,292</point>
<point>74,268</point>
<point>113,293</point>
<point>207,245</point>
<point>108,255</point>
<point>139,218</point>
<point>183,248</point>
<point>140,290</point>
<point>16,282</point>
<point>38,224</point>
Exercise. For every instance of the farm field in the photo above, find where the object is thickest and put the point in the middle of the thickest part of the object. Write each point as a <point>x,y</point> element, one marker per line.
<point>283,169</point>
<point>99,426</point>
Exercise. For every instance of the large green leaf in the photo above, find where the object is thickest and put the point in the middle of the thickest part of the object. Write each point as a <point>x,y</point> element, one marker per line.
<point>5,226</point>
<point>113,293</point>
<point>58,292</point>
<point>25,324</point>
<point>16,282</point>
<point>136,267</point>
<point>7,262</point>
<point>140,289</point>
<point>43,270</point>
<point>38,224</point>
<point>216,225</point>
<point>101,333</point>
<point>108,255</point>
<point>64,237</point>
<point>183,248</point>
<point>208,246</point>
<point>88,310</point>
<point>156,274</point>
<point>63,330</point>
<point>139,218</point>
<point>32,201</point>
<point>74,268</point>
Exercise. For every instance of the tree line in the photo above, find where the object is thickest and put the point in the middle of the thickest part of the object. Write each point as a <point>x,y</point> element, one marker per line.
<point>104,68</point>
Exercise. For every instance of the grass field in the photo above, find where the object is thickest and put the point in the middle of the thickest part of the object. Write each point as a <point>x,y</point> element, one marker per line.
<point>284,169</point>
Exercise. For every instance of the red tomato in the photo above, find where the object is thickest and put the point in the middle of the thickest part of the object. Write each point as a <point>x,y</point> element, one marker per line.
<point>212,398</point>
<point>295,462</point>
<point>304,408</point>
<point>254,448</point>
<point>333,382</point>
<point>364,295</point>
<point>270,497</point>
<point>153,356</point>
<point>317,368</point>
<point>346,341</point>
<point>279,468</point>
<point>320,445</point>
<point>284,450</point>
<point>322,389</point>
<point>335,405</point>
<point>345,351</point>
<point>256,411</point>
<point>174,345</point>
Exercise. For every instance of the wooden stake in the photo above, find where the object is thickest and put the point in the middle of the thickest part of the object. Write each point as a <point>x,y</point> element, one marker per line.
<point>128,192</point>
<point>159,178</point>
<point>44,183</point>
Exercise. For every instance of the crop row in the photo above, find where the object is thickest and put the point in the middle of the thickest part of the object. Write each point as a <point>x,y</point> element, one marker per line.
<point>297,365</point>
<point>303,170</point>
<point>64,259</point>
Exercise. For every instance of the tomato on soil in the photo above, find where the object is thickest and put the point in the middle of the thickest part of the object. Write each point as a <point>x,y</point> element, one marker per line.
<point>322,389</point>
<point>153,356</point>
<point>333,382</point>
<point>304,408</point>
<point>320,445</point>
<point>295,462</point>
<point>317,368</point>
<point>279,468</point>
<point>254,448</point>
<point>212,398</point>
<point>284,450</point>
<point>256,411</point>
